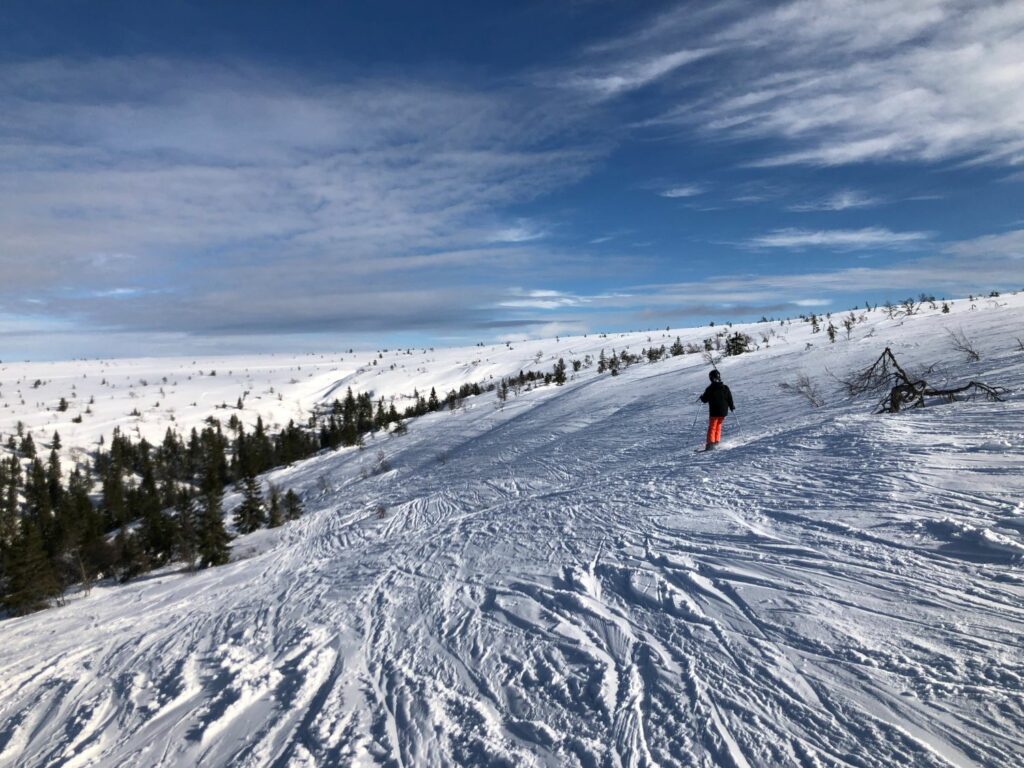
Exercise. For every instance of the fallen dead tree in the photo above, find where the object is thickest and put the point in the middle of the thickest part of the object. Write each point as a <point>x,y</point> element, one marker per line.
<point>906,391</point>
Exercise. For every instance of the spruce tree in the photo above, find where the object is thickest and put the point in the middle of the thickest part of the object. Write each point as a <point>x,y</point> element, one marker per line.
<point>37,503</point>
<point>213,539</point>
<point>186,534</point>
<point>10,474</point>
<point>251,513</point>
<point>275,514</point>
<point>131,557</point>
<point>32,582</point>
<point>115,508</point>
<point>292,505</point>
<point>559,372</point>
<point>54,476</point>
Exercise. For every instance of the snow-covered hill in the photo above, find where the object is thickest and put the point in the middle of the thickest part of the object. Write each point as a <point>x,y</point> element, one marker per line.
<point>562,581</point>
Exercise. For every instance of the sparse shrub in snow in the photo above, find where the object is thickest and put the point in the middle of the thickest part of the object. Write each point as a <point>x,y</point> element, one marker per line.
<point>963,345</point>
<point>805,388</point>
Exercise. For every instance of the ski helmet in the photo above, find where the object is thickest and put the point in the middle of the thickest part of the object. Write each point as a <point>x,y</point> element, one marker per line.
<point>715,375</point>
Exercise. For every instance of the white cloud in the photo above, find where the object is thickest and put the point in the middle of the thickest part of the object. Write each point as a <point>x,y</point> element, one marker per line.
<point>1007,244</point>
<point>264,200</point>
<point>846,81</point>
<point>520,233</point>
<point>812,302</point>
<point>839,239</point>
<point>628,75</point>
<point>839,201</point>
<point>542,299</point>
<point>686,190</point>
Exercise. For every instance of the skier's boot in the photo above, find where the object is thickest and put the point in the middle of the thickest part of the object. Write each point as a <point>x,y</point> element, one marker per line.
<point>710,446</point>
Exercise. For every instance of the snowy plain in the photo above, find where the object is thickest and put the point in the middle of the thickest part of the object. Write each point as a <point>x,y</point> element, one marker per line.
<point>561,580</point>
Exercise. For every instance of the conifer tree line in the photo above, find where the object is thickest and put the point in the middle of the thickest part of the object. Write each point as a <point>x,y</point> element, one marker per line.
<point>134,506</point>
<point>137,506</point>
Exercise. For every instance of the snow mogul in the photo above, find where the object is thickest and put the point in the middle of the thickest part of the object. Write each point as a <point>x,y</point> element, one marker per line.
<point>719,400</point>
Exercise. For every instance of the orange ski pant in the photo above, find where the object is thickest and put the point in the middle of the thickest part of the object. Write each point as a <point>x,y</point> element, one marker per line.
<point>715,428</point>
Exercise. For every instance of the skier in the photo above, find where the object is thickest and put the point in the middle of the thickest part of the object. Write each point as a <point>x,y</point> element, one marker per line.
<point>719,400</point>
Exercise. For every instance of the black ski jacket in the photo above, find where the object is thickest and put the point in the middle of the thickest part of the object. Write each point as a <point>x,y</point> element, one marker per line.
<point>719,399</point>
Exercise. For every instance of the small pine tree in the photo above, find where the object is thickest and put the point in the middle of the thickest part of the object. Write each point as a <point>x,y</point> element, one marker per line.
<point>559,372</point>
<point>831,333</point>
<point>251,514</point>
<point>945,308</point>
<point>677,348</point>
<point>186,535</point>
<point>737,344</point>
<point>130,558</point>
<point>32,582</point>
<point>213,538</point>
<point>292,505</point>
<point>275,515</point>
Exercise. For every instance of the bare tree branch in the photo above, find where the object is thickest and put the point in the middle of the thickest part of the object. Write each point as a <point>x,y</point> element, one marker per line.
<point>962,344</point>
<point>906,391</point>
<point>804,387</point>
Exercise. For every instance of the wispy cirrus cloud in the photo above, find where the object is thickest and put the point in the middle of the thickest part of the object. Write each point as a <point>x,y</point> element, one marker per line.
<point>604,80</point>
<point>846,81</point>
<point>842,200</point>
<point>1007,244</point>
<point>521,232</point>
<point>838,239</point>
<point>256,200</point>
<point>683,190</point>
<point>541,299</point>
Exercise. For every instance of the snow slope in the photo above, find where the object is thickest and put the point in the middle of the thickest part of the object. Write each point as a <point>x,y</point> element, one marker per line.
<point>564,582</point>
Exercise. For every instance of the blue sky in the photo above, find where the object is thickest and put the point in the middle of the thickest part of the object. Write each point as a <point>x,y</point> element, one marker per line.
<point>213,177</point>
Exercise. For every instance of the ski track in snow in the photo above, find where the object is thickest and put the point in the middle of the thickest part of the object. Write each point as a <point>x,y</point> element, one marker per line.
<point>562,582</point>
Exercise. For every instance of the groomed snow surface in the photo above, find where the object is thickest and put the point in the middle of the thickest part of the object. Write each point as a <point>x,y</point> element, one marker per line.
<point>563,581</point>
